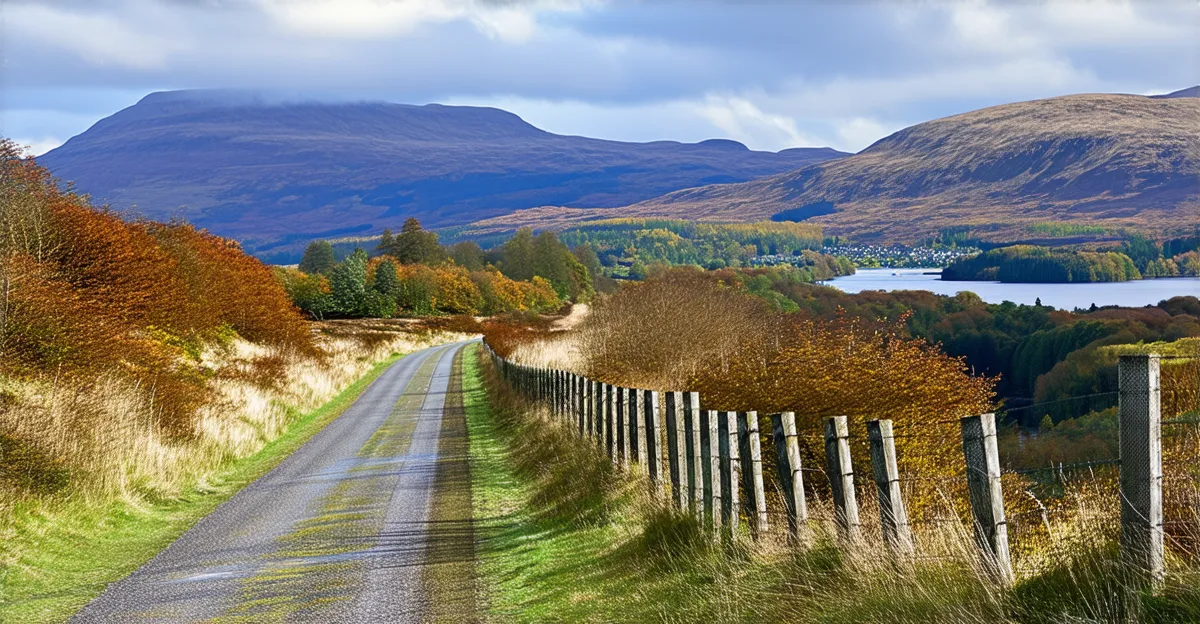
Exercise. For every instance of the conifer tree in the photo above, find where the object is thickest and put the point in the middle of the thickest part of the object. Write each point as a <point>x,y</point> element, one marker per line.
<point>318,258</point>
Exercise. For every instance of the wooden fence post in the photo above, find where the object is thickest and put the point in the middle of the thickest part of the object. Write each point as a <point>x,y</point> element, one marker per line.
<point>841,476</point>
<point>637,425</point>
<point>750,446</point>
<point>791,475</point>
<point>892,513</point>
<point>730,470</point>
<point>623,426</point>
<point>676,448</point>
<point>695,465</point>
<point>653,421</point>
<point>710,450</point>
<point>987,496</point>
<point>597,405</point>
<point>1140,425</point>
<point>610,420</point>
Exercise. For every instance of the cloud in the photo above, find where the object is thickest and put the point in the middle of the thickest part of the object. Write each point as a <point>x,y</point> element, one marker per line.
<point>769,74</point>
<point>373,19</point>
<point>98,39</point>
<point>37,147</point>
<point>742,120</point>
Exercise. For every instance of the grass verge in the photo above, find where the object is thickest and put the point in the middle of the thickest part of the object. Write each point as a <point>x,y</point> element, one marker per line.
<point>71,550</point>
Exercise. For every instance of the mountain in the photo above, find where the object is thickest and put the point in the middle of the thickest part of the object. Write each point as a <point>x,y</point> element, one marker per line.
<point>274,173</point>
<point>1192,92</point>
<point>1102,160</point>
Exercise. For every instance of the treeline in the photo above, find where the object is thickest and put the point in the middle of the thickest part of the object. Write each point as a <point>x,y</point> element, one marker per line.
<point>1034,350</point>
<point>1177,257</point>
<point>1032,264</point>
<point>626,242</point>
<point>412,274</point>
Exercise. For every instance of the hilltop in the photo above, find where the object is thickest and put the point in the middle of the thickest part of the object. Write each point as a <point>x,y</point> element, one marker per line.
<point>270,172</point>
<point>1108,160</point>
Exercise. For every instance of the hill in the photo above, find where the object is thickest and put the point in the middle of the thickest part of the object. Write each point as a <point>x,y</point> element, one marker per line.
<point>1193,92</point>
<point>1105,160</point>
<point>271,172</point>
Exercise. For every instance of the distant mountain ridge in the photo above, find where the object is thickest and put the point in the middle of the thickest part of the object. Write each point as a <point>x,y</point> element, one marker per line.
<point>1193,92</point>
<point>272,172</point>
<point>1117,161</point>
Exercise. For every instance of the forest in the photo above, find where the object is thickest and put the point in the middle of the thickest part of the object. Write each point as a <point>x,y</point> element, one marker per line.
<point>1136,258</point>
<point>629,242</point>
<point>413,274</point>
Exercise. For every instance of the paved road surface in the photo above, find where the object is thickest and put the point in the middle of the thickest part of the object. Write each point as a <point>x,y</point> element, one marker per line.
<point>336,533</point>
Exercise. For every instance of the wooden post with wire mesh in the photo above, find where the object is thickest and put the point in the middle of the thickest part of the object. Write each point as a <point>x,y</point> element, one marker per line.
<point>654,437</point>
<point>750,446</point>
<point>892,513</point>
<point>1140,425</point>
<point>691,401</point>
<point>676,449</point>
<point>729,470</point>
<point>621,405</point>
<point>637,429</point>
<point>791,474</point>
<point>841,477</point>
<point>987,496</point>
<point>710,451</point>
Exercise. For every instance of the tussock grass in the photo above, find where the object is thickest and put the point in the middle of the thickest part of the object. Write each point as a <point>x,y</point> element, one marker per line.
<point>567,538</point>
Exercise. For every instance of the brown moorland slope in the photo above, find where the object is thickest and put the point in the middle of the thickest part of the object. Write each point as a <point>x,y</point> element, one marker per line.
<point>1109,160</point>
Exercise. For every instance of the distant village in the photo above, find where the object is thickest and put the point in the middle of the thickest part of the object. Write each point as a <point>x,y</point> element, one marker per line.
<point>877,256</point>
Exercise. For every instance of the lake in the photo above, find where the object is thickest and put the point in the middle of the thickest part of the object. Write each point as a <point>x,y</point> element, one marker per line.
<point>1066,296</point>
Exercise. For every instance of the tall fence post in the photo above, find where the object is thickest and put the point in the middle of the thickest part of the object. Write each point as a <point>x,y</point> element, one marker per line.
<point>653,420</point>
<point>841,476</point>
<point>572,398</point>
<point>597,406</point>
<point>710,451</point>
<point>750,446</point>
<point>637,417</point>
<point>610,420</point>
<point>791,474</point>
<point>676,448</point>
<point>581,407</point>
<point>695,473</point>
<point>1140,425</point>
<point>892,514</point>
<point>623,426</point>
<point>730,470</point>
<point>987,496</point>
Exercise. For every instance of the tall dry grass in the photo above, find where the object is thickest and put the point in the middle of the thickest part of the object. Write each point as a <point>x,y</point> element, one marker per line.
<point>101,439</point>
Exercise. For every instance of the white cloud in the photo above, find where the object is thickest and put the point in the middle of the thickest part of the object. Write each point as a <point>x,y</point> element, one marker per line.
<point>98,39</point>
<point>367,19</point>
<point>37,147</point>
<point>742,120</point>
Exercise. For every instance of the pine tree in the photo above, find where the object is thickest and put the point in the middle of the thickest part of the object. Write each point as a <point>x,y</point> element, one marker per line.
<point>386,283</point>
<point>415,245</point>
<point>318,258</point>
<point>386,242</point>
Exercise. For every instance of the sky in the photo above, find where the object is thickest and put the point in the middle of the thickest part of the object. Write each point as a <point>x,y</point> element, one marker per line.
<point>772,74</point>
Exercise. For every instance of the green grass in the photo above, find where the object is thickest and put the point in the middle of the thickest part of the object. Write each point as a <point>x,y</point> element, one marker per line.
<point>562,537</point>
<point>69,551</point>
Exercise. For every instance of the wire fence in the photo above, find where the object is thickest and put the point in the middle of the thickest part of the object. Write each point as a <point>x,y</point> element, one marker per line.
<point>922,488</point>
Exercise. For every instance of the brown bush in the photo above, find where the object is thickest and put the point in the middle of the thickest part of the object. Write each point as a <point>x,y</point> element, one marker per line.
<point>86,293</point>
